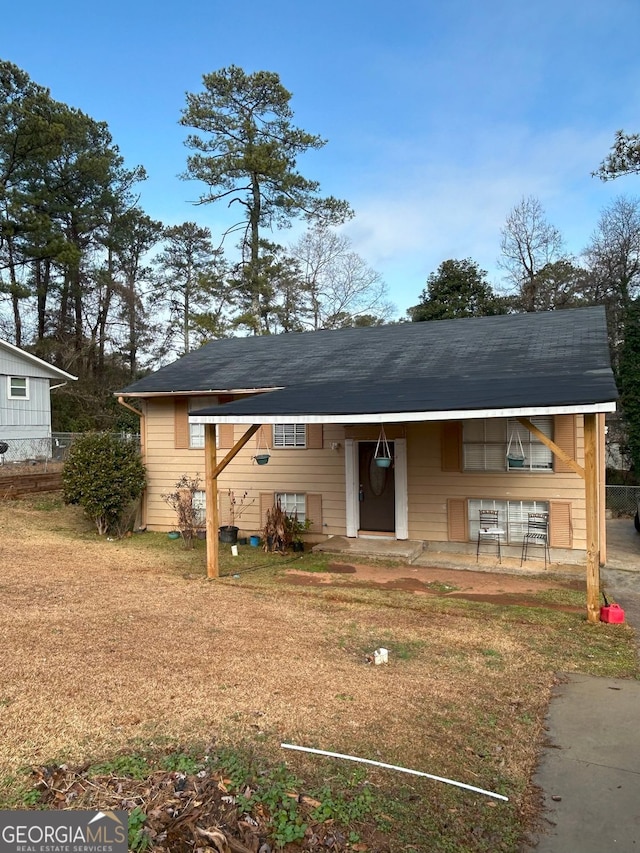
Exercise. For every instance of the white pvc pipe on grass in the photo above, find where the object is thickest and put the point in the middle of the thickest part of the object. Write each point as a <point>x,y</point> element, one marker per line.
<point>395,767</point>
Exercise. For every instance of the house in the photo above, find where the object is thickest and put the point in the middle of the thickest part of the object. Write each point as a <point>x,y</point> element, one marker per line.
<point>25,404</point>
<point>454,397</point>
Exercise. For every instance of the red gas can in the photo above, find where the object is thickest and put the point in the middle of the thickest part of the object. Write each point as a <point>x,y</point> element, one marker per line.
<point>612,613</point>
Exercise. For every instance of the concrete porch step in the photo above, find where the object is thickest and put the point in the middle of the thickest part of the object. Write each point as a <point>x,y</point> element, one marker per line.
<point>389,549</point>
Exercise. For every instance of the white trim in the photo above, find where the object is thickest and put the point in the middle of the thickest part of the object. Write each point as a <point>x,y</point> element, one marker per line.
<point>405,417</point>
<point>402,495</point>
<point>35,360</point>
<point>11,396</point>
<point>351,481</point>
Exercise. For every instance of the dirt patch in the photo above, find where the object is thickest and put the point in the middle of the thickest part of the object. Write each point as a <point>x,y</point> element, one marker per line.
<point>492,587</point>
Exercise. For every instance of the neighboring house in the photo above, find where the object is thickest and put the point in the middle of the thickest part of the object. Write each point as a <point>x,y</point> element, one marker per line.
<point>454,396</point>
<point>25,405</point>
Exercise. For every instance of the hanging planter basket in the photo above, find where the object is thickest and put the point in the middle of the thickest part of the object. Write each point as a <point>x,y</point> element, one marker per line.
<point>515,457</point>
<point>262,456</point>
<point>382,455</point>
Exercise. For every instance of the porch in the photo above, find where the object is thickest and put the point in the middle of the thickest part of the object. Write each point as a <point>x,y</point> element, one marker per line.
<point>623,553</point>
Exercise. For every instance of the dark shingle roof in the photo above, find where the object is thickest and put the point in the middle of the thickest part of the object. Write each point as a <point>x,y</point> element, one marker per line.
<point>550,358</point>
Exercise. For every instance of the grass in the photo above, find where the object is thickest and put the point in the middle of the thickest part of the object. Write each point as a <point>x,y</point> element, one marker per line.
<point>122,659</point>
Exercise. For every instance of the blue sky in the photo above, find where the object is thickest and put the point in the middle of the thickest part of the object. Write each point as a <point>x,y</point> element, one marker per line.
<point>440,115</point>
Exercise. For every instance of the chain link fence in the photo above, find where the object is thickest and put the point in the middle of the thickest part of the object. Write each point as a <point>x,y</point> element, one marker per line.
<point>44,451</point>
<point>622,500</point>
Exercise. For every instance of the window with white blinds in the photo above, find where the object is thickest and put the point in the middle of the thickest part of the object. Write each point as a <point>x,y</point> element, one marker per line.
<point>485,444</point>
<point>196,435</point>
<point>512,516</point>
<point>289,435</point>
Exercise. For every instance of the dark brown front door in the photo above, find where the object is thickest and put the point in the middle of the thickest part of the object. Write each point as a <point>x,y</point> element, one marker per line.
<point>377,491</point>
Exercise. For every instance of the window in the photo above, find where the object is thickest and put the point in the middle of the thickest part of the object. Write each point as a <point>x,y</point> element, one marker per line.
<point>200,507</point>
<point>486,442</point>
<point>18,388</point>
<point>512,516</point>
<point>292,502</point>
<point>196,435</point>
<point>289,435</point>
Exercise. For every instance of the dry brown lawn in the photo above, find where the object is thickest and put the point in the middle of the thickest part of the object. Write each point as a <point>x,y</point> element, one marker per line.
<point>108,646</point>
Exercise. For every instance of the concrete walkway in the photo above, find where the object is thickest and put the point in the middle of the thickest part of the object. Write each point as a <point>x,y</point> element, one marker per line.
<point>590,770</point>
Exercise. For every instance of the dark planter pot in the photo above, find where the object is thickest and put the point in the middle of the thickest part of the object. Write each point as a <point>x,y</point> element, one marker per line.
<point>297,546</point>
<point>228,535</point>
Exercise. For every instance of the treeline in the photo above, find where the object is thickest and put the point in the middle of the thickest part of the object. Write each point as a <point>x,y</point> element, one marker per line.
<point>93,284</point>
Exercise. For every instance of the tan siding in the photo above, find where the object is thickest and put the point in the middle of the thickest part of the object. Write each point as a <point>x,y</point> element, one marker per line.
<point>225,436</point>
<point>314,512</point>
<point>560,526</point>
<point>564,435</point>
<point>451,446</point>
<point>457,520</point>
<point>430,488</point>
<point>181,423</point>
<point>314,436</point>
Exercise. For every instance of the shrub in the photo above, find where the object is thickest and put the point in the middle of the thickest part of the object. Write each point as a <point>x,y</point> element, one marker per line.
<point>104,475</point>
<point>182,500</point>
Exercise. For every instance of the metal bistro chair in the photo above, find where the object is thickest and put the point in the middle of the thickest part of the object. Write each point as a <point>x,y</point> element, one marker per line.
<point>489,531</point>
<point>537,535</point>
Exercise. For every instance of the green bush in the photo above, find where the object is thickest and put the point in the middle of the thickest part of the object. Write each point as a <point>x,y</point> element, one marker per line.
<point>104,475</point>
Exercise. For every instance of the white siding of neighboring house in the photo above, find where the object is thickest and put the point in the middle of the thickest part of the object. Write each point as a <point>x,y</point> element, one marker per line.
<point>25,422</point>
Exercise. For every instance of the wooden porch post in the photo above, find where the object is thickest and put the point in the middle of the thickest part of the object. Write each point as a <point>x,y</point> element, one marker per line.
<point>211,495</point>
<point>593,530</point>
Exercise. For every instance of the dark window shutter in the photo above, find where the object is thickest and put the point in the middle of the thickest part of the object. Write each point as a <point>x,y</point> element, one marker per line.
<point>267,500</point>
<point>564,435</point>
<point>560,526</point>
<point>314,436</point>
<point>225,436</point>
<point>314,512</point>
<point>457,520</point>
<point>451,446</point>
<point>181,423</point>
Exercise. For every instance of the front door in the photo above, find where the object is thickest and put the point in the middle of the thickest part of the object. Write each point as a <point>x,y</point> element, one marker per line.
<point>377,491</point>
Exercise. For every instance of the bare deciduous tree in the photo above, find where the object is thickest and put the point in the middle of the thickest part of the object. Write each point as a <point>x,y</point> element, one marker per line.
<point>528,243</point>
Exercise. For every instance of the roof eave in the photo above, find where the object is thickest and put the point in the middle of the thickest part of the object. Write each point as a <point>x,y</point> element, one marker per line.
<point>43,365</point>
